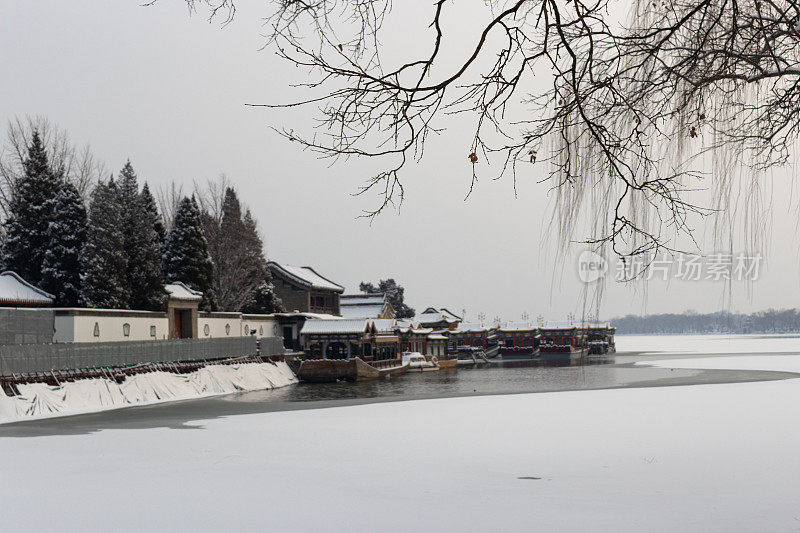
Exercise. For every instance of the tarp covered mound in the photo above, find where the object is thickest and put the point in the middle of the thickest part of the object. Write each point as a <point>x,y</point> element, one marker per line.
<point>37,400</point>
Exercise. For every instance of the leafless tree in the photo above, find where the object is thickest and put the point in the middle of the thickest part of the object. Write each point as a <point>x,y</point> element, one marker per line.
<point>79,165</point>
<point>234,244</point>
<point>211,195</point>
<point>630,108</point>
<point>169,199</point>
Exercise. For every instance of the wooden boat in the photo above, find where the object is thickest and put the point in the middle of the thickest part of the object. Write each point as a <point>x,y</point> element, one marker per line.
<point>518,353</point>
<point>355,369</point>
<point>418,363</point>
<point>561,352</point>
<point>448,363</point>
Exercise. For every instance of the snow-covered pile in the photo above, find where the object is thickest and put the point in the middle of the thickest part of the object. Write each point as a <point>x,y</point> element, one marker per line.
<point>42,400</point>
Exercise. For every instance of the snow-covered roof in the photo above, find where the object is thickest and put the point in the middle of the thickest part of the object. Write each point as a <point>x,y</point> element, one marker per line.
<point>341,325</point>
<point>306,276</point>
<point>414,331</point>
<point>436,337</point>
<point>471,327</point>
<point>384,324</point>
<point>15,290</point>
<point>363,299</point>
<point>517,326</point>
<point>559,324</point>
<point>434,318</point>
<point>303,314</point>
<point>179,291</point>
<point>361,311</point>
<point>449,314</point>
<point>598,325</point>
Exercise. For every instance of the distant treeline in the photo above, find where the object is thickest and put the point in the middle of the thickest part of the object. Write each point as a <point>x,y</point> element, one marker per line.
<point>769,321</point>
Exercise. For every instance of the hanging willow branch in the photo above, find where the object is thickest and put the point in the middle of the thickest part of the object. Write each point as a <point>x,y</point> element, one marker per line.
<point>625,111</point>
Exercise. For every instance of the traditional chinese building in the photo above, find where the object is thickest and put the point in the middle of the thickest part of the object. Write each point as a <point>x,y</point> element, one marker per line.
<point>303,289</point>
<point>371,340</point>
<point>437,319</point>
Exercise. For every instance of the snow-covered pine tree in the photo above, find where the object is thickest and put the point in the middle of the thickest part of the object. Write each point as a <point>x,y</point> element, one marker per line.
<point>152,295</point>
<point>104,281</point>
<point>186,256</point>
<point>230,265</point>
<point>151,208</point>
<point>61,268</point>
<point>263,298</point>
<point>30,213</point>
<point>142,245</point>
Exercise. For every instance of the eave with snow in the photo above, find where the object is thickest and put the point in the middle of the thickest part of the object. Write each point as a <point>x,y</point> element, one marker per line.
<point>373,305</point>
<point>303,289</point>
<point>437,319</point>
<point>16,292</point>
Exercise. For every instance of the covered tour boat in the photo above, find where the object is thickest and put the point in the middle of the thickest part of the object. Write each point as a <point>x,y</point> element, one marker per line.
<point>600,339</point>
<point>350,349</point>
<point>562,343</point>
<point>518,340</point>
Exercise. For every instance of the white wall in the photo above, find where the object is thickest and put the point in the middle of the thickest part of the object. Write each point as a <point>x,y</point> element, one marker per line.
<point>109,326</point>
<point>214,327</point>
<point>79,325</point>
<point>265,326</point>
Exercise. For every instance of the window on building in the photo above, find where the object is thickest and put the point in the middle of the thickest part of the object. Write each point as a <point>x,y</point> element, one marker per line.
<point>261,331</point>
<point>96,329</point>
<point>126,329</point>
<point>227,329</point>
<point>153,331</point>
<point>206,330</point>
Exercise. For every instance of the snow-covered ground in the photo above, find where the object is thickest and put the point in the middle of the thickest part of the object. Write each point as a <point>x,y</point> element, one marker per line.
<point>39,400</point>
<point>698,458</point>
<point>708,344</point>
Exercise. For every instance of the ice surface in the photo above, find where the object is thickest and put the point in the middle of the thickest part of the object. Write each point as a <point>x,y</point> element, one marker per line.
<point>708,344</point>
<point>696,458</point>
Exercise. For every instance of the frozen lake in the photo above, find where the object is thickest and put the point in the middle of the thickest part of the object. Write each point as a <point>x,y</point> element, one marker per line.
<point>631,454</point>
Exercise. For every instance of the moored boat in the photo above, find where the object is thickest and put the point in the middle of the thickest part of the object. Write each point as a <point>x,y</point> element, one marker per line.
<point>355,369</point>
<point>518,341</point>
<point>417,362</point>
<point>566,343</point>
<point>447,362</point>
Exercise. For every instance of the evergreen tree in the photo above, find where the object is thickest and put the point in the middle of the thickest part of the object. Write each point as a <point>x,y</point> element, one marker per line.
<point>61,269</point>
<point>30,212</point>
<point>264,300</point>
<point>186,256</point>
<point>141,244</point>
<point>152,211</point>
<point>394,294</point>
<point>104,282</point>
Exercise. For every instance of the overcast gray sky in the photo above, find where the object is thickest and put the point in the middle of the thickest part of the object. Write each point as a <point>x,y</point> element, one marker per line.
<point>168,91</point>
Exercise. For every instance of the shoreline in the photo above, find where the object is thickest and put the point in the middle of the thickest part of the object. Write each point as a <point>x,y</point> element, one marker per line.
<point>182,413</point>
